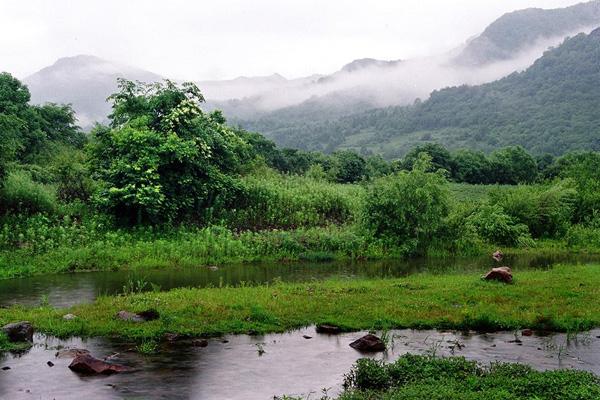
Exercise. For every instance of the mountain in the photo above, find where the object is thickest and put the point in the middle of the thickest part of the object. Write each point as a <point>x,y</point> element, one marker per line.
<point>551,107</point>
<point>85,82</point>
<point>279,107</point>
<point>511,43</point>
<point>514,32</point>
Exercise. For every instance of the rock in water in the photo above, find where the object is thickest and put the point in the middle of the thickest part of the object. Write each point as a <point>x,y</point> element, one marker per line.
<point>368,343</point>
<point>19,331</point>
<point>86,364</point>
<point>200,342</point>
<point>527,332</point>
<point>502,274</point>
<point>498,255</point>
<point>330,329</point>
<point>71,353</point>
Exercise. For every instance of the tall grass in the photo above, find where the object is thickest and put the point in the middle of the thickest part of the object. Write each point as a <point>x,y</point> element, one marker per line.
<point>274,201</point>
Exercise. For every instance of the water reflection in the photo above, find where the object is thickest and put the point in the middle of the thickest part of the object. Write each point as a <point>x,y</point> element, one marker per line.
<point>290,365</point>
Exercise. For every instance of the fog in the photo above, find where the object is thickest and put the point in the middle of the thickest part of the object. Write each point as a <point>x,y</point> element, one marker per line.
<point>400,84</point>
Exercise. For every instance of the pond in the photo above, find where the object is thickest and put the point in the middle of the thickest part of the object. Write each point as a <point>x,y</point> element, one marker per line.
<point>233,368</point>
<point>63,290</point>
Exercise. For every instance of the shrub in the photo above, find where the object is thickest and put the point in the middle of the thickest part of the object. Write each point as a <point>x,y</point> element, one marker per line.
<point>20,194</point>
<point>547,211</point>
<point>407,208</point>
<point>495,226</point>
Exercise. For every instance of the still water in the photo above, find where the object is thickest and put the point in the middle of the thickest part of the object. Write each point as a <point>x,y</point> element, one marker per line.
<point>63,290</point>
<point>290,364</point>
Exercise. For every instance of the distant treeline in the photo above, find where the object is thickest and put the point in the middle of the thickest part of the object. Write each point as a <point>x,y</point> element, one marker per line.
<point>509,165</point>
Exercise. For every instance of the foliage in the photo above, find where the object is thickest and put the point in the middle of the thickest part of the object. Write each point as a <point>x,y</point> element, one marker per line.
<point>21,195</point>
<point>164,159</point>
<point>418,377</point>
<point>407,208</point>
<point>584,170</point>
<point>26,129</point>
<point>495,226</point>
<point>272,201</point>
<point>547,211</point>
<point>346,167</point>
<point>440,157</point>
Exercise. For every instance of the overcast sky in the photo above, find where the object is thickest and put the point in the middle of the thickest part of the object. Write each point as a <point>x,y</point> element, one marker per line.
<point>221,39</point>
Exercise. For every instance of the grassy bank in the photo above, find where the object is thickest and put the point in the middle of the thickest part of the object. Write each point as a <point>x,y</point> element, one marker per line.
<point>123,250</point>
<point>422,377</point>
<point>561,299</point>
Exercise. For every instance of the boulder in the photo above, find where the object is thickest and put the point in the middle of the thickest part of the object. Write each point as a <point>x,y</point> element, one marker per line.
<point>19,331</point>
<point>86,364</point>
<point>329,329</point>
<point>502,274</point>
<point>368,343</point>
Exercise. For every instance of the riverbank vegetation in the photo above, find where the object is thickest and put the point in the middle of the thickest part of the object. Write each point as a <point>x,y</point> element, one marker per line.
<point>426,377</point>
<point>560,299</point>
<point>166,184</point>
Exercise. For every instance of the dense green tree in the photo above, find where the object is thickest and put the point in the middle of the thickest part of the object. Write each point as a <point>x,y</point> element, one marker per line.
<point>471,166</point>
<point>346,167</point>
<point>26,130</point>
<point>440,157</point>
<point>513,165</point>
<point>164,158</point>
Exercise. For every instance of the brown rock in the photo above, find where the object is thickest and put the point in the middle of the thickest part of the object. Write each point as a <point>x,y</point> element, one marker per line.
<point>502,274</point>
<point>86,364</point>
<point>368,343</point>
<point>527,332</point>
<point>329,329</point>
<point>19,331</point>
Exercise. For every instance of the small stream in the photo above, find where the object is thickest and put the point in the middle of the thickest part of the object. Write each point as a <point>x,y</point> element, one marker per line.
<point>64,290</point>
<point>290,364</point>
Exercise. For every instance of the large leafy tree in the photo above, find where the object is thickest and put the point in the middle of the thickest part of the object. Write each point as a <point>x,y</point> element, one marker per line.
<point>162,158</point>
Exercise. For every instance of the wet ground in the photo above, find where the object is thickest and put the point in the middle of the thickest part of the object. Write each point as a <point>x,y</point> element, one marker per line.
<point>233,367</point>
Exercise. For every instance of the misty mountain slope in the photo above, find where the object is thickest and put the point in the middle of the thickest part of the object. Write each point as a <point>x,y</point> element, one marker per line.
<point>511,43</point>
<point>279,107</point>
<point>85,82</point>
<point>515,31</point>
<point>551,107</point>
